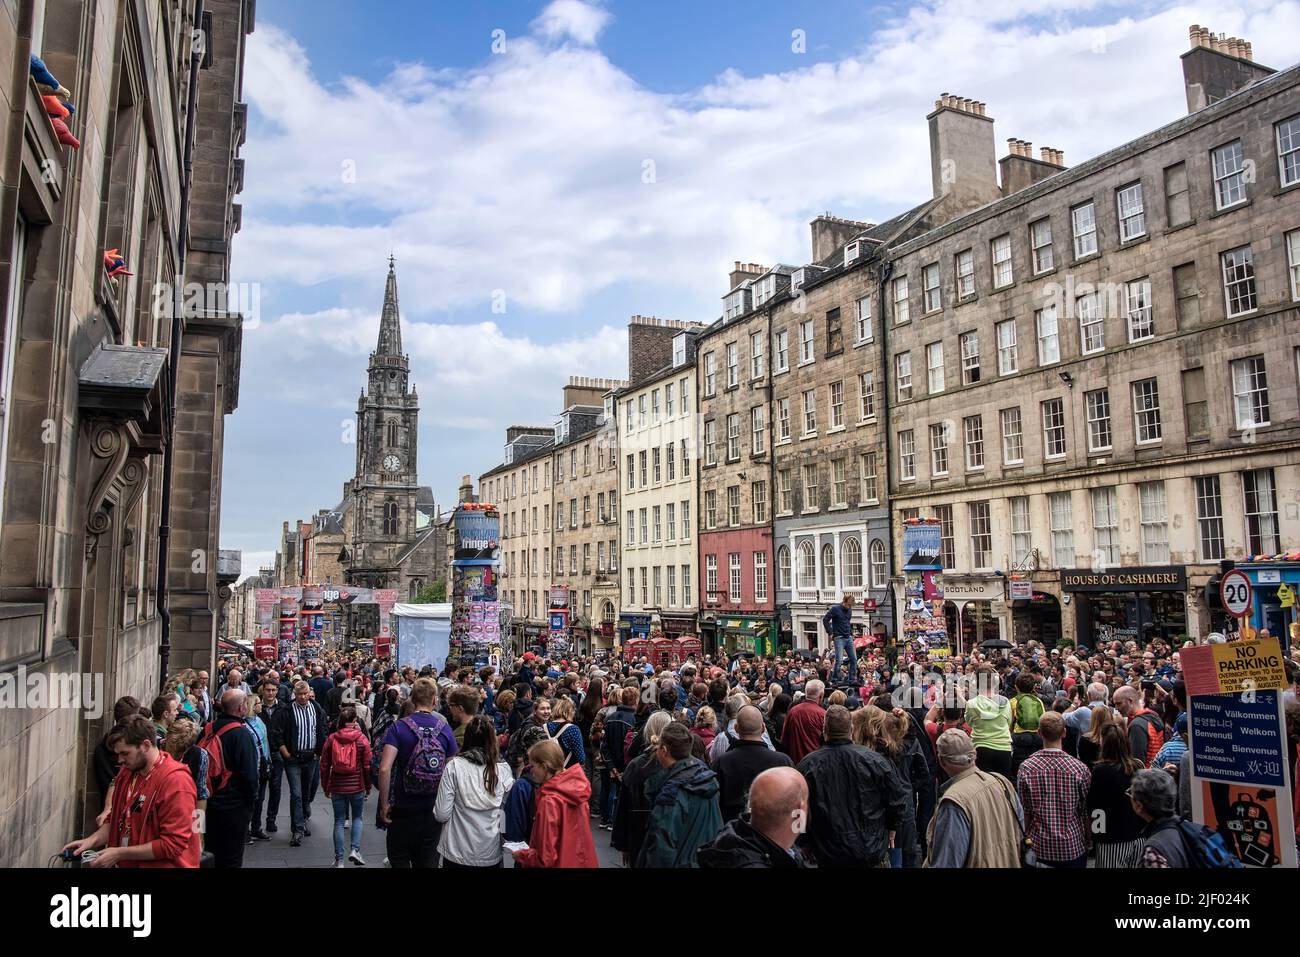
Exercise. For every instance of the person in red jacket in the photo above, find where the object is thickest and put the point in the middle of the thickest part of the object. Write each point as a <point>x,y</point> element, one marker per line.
<point>561,835</point>
<point>345,778</point>
<point>152,822</point>
<point>802,734</point>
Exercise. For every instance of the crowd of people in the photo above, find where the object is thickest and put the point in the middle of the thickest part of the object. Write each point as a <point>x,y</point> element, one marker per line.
<point>1049,757</point>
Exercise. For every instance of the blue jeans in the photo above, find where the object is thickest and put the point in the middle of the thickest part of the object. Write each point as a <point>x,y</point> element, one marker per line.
<point>300,775</point>
<point>615,790</point>
<point>342,804</point>
<point>272,790</point>
<point>606,797</point>
<point>844,652</point>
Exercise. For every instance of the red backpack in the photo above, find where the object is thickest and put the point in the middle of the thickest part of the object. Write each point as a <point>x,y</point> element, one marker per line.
<point>343,754</point>
<point>218,773</point>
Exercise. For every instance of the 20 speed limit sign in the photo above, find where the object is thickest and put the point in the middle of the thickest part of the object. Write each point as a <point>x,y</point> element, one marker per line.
<point>1234,589</point>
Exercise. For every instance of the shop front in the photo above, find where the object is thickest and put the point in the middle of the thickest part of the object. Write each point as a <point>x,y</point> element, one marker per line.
<point>754,634</point>
<point>975,609</point>
<point>1035,612</point>
<point>1275,586</point>
<point>678,626</point>
<point>633,626</point>
<point>531,638</point>
<point>1127,604</point>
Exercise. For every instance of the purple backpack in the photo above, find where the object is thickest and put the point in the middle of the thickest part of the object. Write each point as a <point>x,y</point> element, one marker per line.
<point>427,761</point>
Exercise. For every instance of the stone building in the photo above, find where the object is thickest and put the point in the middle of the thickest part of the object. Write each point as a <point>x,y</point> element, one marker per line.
<point>824,426</point>
<point>384,533</point>
<point>521,490</point>
<point>207,387</point>
<point>87,381</point>
<point>241,609</point>
<point>735,561</point>
<point>1092,372</point>
<point>584,495</point>
<point>551,491</point>
<point>655,417</point>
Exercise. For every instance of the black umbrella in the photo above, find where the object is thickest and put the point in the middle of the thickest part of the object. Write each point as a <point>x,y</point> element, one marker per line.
<point>996,643</point>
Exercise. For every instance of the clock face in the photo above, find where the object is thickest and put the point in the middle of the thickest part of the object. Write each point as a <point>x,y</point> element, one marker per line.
<point>392,463</point>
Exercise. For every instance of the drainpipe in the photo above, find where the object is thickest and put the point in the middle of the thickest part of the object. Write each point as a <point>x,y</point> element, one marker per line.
<point>174,347</point>
<point>883,274</point>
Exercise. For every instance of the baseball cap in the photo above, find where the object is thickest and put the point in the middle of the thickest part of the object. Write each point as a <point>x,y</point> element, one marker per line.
<point>954,744</point>
<point>1181,724</point>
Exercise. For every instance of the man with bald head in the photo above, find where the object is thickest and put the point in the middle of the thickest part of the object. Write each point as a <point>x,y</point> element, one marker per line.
<point>765,838</point>
<point>747,758</point>
<point>230,806</point>
<point>857,800</point>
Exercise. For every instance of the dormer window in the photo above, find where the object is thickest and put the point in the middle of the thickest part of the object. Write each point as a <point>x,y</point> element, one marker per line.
<point>797,279</point>
<point>736,303</point>
<point>679,350</point>
<point>764,290</point>
<point>851,252</point>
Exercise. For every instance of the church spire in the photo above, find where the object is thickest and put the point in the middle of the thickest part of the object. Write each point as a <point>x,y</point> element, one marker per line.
<point>390,325</point>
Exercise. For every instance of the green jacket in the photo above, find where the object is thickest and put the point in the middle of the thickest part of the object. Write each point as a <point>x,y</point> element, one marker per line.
<point>684,814</point>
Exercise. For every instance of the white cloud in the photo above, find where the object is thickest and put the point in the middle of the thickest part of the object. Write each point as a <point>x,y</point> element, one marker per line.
<point>456,368</point>
<point>573,19</point>
<point>526,174</point>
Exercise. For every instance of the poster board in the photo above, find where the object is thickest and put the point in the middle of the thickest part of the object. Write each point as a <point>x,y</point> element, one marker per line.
<point>1237,737</point>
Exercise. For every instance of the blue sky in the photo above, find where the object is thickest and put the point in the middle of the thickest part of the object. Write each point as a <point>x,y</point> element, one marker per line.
<point>610,159</point>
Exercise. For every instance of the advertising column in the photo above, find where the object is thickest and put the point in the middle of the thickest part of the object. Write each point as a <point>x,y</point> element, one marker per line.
<point>290,598</point>
<point>475,606</point>
<point>385,598</point>
<point>311,631</point>
<point>924,625</point>
<point>557,639</point>
<point>1237,731</point>
<point>264,645</point>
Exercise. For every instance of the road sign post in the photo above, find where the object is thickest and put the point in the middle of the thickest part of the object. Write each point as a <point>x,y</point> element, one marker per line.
<point>1236,593</point>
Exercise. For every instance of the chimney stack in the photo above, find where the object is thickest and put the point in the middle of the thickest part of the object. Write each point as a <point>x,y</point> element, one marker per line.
<point>831,234</point>
<point>963,154</point>
<point>743,271</point>
<point>1216,66</point>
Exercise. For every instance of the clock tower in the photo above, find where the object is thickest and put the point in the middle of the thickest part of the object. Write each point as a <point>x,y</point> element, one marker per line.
<point>385,486</point>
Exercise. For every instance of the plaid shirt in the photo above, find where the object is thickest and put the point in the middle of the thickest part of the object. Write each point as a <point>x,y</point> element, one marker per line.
<point>1053,788</point>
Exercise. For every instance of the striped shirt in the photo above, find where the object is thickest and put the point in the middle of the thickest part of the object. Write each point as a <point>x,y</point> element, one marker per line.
<point>1053,787</point>
<point>305,718</point>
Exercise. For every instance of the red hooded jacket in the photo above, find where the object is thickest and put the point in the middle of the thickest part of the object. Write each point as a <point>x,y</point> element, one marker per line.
<point>161,814</point>
<point>335,779</point>
<point>561,834</point>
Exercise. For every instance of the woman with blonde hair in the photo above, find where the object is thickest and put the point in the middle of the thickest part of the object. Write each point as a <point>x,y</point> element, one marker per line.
<point>705,727</point>
<point>561,833</point>
<point>563,730</point>
<point>1090,743</point>
<point>181,744</point>
<point>838,697</point>
<point>885,732</point>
